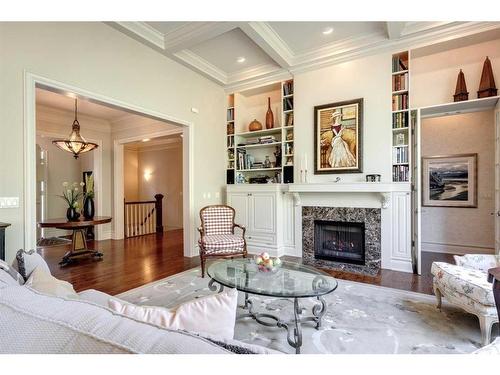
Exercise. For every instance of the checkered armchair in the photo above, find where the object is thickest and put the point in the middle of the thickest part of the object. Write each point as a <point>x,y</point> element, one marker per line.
<point>217,237</point>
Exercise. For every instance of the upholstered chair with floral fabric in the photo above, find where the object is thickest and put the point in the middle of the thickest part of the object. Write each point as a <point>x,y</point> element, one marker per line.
<point>465,284</point>
<point>217,236</point>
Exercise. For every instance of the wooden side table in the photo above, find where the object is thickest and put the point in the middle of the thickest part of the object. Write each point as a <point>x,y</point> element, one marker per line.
<point>78,240</point>
<point>2,239</point>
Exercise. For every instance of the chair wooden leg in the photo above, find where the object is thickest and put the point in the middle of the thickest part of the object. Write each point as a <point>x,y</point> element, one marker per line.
<point>202,263</point>
<point>439,297</point>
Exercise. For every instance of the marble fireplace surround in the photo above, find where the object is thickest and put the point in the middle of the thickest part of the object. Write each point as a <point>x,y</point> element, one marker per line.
<point>372,219</point>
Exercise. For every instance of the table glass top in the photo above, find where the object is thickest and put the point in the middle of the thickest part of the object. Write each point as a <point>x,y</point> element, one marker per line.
<point>290,280</point>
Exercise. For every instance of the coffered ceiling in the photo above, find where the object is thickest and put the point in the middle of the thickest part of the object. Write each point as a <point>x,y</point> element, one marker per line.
<point>244,54</point>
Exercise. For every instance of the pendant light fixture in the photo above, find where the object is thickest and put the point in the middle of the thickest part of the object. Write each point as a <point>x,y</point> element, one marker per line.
<point>75,144</point>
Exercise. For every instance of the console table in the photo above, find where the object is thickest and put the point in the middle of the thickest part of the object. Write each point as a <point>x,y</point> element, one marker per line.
<point>78,240</point>
<point>2,239</point>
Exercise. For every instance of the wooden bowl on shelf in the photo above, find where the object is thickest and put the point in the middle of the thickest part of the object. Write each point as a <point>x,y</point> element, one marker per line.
<point>255,125</point>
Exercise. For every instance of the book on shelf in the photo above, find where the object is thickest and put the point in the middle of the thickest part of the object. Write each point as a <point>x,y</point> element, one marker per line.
<point>399,102</point>
<point>399,120</point>
<point>287,104</point>
<point>400,173</point>
<point>289,119</point>
<point>400,155</point>
<point>230,114</point>
<point>288,88</point>
<point>400,82</point>
<point>398,64</point>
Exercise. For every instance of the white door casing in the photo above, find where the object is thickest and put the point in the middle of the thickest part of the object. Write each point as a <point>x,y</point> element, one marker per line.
<point>31,82</point>
<point>497,179</point>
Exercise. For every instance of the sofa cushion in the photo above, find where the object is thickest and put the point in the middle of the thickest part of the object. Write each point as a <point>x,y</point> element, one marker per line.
<point>44,282</point>
<point>34,323</point>
<point>469,282</point>
<point>222,243</point>
<point>26,262</point>
<point>481,262</point>
<point>212,315</point>
<point>9,276</point>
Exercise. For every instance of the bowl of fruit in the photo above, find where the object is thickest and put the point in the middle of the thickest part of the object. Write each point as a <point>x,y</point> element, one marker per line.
<point>266,264</point>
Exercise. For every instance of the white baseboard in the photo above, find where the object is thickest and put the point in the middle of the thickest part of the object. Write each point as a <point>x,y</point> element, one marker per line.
<point>106,235</point>
<point>434,247</point>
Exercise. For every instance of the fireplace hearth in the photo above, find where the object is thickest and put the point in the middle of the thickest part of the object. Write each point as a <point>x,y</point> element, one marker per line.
<point>339,241</point>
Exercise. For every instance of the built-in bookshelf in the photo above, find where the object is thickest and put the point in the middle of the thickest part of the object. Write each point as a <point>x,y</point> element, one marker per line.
<point>230,151</point>
<point>267,155</point>
<point>401,117</point>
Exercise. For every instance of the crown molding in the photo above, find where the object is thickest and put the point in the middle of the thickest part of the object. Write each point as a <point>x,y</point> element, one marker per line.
<point>373,44</point>
<point>176,44</point>
<point>202,65</point>
<point>274,77</point>
<point>144,31</point>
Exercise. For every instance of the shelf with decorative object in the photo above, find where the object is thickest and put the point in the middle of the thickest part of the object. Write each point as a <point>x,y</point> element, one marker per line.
<point>263,133</point>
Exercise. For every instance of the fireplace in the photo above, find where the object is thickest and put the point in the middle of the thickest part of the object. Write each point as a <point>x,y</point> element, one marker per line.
<point>339,241</point>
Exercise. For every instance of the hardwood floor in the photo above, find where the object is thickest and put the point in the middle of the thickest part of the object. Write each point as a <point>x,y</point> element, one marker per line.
<point>137,261</point>
<point>126,264</point>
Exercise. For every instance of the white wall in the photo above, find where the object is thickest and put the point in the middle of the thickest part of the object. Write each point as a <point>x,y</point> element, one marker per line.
<point>368,78</point>
<point>97,58</point>
<point>130,174</point>
<point>461,230</point>
<point>434,77</point>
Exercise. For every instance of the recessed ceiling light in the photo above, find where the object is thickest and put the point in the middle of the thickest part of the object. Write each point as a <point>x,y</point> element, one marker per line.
<point>327,30</point>
<point>241,59</point>
<point>146,139</point>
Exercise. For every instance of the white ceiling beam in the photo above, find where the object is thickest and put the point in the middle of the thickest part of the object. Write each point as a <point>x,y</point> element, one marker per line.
<point>194,33</point>
<point>268,39</point>
<point>395,29</point>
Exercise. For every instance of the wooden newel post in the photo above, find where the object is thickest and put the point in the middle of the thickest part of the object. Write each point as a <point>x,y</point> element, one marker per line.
<point>158,206</point>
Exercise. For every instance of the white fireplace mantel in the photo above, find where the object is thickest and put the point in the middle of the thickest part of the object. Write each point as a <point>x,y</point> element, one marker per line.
<point>382,188</point>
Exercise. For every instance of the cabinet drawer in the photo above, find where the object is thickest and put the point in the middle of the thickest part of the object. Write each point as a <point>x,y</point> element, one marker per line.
<point>261,238</point>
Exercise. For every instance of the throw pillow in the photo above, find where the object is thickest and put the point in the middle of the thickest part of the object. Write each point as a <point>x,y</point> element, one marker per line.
<point>27,261</point>
<point>213,315</point>
<point>12,272</point>
<point>43,282</point>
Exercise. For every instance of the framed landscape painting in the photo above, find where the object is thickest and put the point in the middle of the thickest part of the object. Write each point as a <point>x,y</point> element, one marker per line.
<point>449,181</point>
<point>337,137</point>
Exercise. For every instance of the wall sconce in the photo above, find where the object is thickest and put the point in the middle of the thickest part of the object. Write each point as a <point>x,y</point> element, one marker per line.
<point>147,174</point>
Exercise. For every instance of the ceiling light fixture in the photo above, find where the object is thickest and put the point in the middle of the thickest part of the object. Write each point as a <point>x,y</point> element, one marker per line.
<point>327,30</point>
<point>75,144</point>
<point>241,59</point>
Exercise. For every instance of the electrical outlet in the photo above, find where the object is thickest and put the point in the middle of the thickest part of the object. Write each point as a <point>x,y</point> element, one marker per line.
<point>9,202</point>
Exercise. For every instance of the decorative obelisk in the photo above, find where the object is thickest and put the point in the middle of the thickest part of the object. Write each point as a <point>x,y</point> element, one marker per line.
<point>487,85</point>
<point>461,92</point>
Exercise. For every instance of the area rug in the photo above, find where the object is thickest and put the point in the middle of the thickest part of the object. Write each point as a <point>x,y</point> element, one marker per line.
<point>361,319</point>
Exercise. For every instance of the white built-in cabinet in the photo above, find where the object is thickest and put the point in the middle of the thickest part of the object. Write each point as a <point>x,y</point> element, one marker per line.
<point>262,209</point>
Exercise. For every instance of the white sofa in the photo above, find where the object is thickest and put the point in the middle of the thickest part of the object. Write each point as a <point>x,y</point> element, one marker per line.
<point>465,284</point>
<point>31,322</point>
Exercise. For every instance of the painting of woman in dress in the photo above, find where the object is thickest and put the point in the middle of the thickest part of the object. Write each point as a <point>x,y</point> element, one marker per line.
<point>338,137</point>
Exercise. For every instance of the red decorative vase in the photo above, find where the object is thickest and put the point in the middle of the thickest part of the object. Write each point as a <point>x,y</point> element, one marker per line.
<point>269,115</point>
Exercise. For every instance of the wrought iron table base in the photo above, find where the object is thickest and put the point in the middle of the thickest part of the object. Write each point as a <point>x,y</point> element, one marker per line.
<point>293,328</point>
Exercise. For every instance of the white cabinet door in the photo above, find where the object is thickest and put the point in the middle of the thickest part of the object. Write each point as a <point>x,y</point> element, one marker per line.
<point>262,213</point>
<point>401,226</point>
<point>239,201</point>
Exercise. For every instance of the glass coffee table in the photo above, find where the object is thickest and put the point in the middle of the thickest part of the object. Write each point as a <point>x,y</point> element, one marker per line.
<point>291,281</point>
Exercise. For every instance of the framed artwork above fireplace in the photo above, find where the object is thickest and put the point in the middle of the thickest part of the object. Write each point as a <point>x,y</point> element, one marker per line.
<point>338,128</point>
